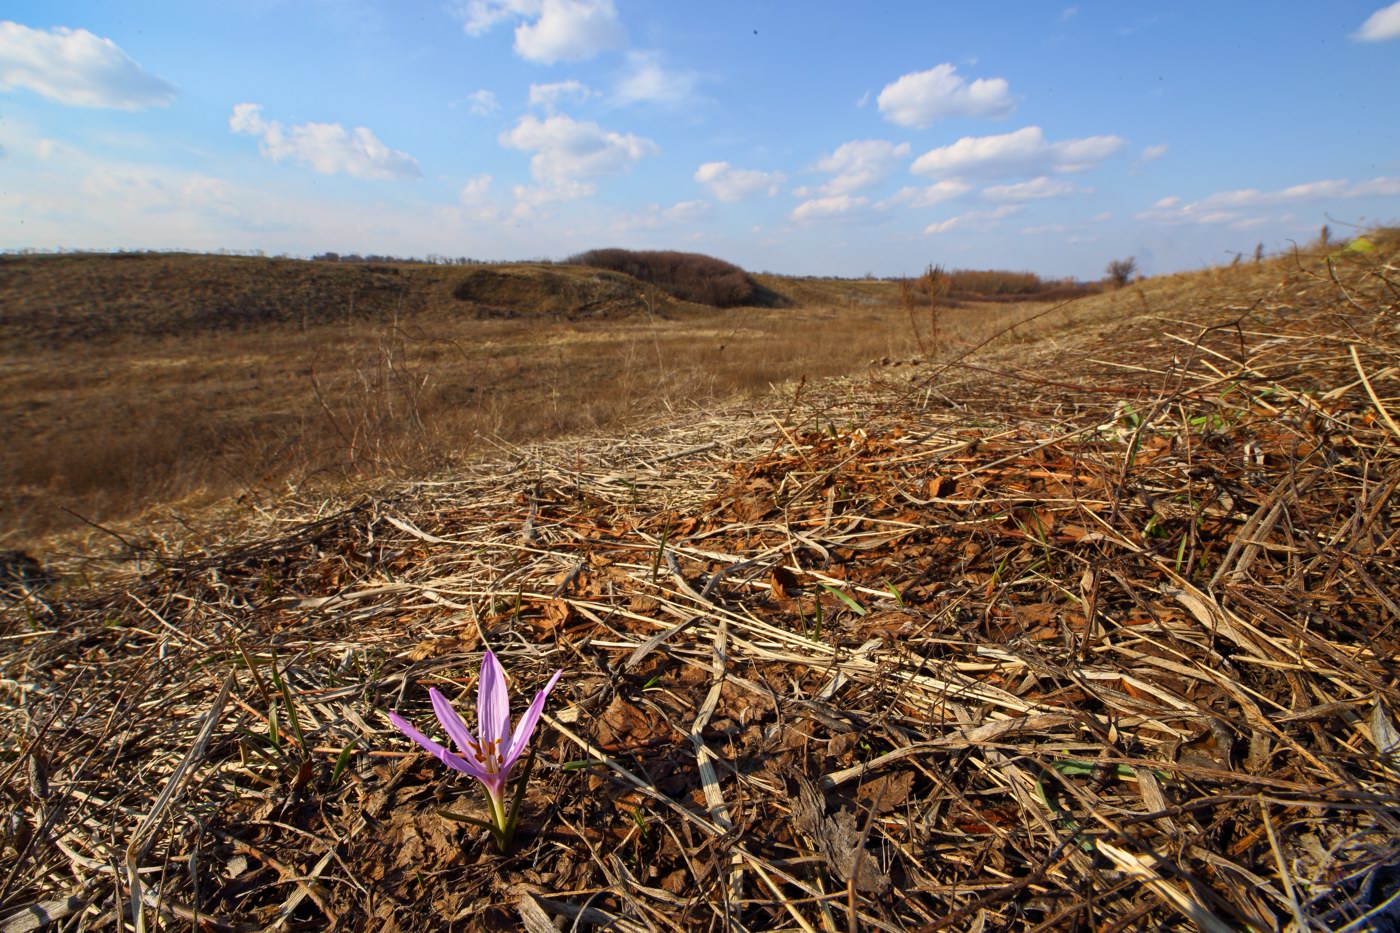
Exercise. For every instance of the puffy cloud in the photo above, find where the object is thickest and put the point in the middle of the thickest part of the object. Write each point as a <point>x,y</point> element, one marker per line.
<point>1381,26</point>
<point>553,30</point>
<point>327,148</point>
<point>861,164</point>
<point>839,205</point>
<point>1224,207</point>
<point>735,184</point>
<point>919,98</point>
<point>936,193</point>
<point>647,80</point>
<point>1033,190</point>
<point>570,30</point>
<point>482,103</point>
<point>549,96</point>
<point>569,153</point>
<point>1024,152</point>
<point>77,68</point>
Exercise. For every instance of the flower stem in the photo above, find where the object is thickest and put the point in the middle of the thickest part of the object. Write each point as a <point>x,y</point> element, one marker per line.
<point>498,816</point>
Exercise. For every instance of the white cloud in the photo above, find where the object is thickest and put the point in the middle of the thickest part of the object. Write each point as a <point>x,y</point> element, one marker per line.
<point>151,190</point>
<point>861,164</point>
<point>655,217</point>
<point>1152,153</point>
<point>1377,187</point>
<point>979,219</point>
<point>549,96</point>
<point>1024,152</point>
<point>77,68</point>
<point>1035,189</point>
<point>919,98</point>
<point>481,15</point>
<point>570,153</point>
<point>570,30</point>
<point>1068,13</point>
<point>687,211</point>
<point>1045,228</point>
<point>327,148</point>
<point>553,30</point>
<point>735,184</point>
<point>476,189</point>
<point>927,196</point>
<point>1381,26</point>
<point>840,205</point>
<point>1102,217</point>
<point>863,99</point>
<point>1225,207</point>
<point>482,103</point>
<point>647,80</point>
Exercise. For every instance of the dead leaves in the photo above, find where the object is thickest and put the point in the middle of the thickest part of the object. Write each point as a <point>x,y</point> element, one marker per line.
<point>837,838</point>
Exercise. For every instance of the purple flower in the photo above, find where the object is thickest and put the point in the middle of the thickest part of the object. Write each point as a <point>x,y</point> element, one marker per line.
<point>490,756</point>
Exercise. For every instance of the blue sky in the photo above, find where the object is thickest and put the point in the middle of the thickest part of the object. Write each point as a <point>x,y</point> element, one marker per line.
<point>805,138</point>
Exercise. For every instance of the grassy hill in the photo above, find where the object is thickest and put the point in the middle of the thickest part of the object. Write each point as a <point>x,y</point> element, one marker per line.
<point>136,380</point>
<point>61,299</point>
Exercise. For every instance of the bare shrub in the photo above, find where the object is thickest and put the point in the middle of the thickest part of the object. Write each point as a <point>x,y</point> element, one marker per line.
<point>687,276</point>
<point>1121,271</point>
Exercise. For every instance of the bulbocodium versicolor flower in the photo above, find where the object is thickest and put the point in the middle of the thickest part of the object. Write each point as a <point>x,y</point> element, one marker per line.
<point>494,751</point>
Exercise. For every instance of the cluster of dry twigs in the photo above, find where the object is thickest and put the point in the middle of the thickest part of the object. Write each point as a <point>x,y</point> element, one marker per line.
<point>1094,635</point>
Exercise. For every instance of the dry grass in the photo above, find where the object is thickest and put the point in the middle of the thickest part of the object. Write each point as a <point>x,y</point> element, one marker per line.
<point>323,379</point>
<point>1091,632</point>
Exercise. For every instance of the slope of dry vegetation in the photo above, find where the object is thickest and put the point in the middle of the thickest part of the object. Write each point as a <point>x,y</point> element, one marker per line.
<point>1094,631</point>
<point>128,382</point>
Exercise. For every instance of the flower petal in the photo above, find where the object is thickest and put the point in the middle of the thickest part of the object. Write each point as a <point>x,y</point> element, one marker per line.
<point>492,702</point>
<point>433,748</point>
<point>452,724</point>
<point>526,727</point>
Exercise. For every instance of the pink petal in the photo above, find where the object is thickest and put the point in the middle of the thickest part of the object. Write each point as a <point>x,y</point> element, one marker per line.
<point>433,748</point>
<point>451,723</point>
<point>526,727</point>
<point>494,782</point>
<point>492,702</point>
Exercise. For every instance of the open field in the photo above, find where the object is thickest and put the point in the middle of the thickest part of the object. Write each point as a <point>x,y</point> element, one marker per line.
<point>1091,628</point>
<point>136,381</point>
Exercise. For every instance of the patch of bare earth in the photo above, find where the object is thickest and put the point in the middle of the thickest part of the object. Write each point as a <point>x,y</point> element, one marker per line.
<point>1094,632</point>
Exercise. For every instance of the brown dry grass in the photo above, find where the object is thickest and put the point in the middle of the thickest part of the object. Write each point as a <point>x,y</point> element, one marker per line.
<point>1094,632</point>
<point>116,397</point>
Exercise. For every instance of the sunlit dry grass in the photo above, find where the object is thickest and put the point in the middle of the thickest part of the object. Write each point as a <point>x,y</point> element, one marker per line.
<point>115,428</point>
<point>325,381</point>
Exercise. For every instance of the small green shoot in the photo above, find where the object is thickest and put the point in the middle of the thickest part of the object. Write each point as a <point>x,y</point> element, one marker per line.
<point>850,602</point>
<point>660,550</point>
<point>342,760</point>
<point>898,596</point>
